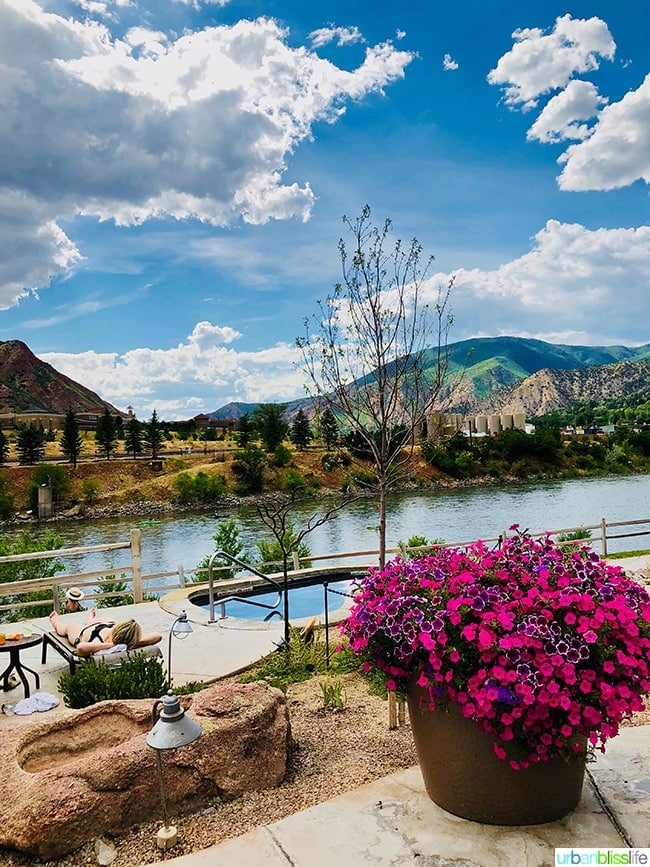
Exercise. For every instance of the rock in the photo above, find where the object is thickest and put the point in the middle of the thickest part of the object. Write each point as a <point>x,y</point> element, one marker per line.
<point>90,773</point>
<point>105,853</point>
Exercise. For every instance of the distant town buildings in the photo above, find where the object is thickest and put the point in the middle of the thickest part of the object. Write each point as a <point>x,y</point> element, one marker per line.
<point>443,425</point>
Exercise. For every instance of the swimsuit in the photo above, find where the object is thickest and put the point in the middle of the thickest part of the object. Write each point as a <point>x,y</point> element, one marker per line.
<point>96,631</point>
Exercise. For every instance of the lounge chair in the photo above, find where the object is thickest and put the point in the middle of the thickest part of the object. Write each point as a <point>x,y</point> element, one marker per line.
<point>69,653</point>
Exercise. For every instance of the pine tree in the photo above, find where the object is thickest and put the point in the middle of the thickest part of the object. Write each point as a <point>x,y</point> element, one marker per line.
<point>71,442</point>
<point>133,437</point>
<point>30,443</point>
<point>244,431</point>
<point>269,423</point>
<point>329,429</point>
<point>105,434</point>
<point>4,448</point>
<point>300,433</point>
<point>153,435</point>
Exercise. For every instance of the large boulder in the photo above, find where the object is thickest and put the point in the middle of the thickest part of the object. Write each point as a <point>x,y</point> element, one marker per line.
<point>70,780</point>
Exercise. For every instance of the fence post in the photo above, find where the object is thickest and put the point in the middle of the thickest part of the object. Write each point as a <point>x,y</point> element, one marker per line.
<point>296,560</point>
<point>136,563</point>
<point>603,535</point>
<point>181,575</point>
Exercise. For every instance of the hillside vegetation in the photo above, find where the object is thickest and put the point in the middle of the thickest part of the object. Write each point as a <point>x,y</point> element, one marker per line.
<point>202,477</point>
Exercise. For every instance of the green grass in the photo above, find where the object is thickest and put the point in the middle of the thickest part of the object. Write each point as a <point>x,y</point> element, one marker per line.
<point>621,555</point>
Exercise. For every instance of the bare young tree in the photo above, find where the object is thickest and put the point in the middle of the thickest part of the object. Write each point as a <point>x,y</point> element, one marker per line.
<point>275,512</point>
<point>377,351</point>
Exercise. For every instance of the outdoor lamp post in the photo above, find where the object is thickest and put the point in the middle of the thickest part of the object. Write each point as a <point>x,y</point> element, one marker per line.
<point>170,729</point>
<point>180,628</point>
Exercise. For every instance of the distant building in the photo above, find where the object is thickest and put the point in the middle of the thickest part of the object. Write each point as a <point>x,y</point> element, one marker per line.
<point>442,425</point>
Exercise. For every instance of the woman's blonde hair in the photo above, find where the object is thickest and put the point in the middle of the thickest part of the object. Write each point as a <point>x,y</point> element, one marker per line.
<point>128,632</point>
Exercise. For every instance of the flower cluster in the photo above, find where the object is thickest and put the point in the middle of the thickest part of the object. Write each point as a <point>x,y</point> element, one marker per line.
<point>545,647</point>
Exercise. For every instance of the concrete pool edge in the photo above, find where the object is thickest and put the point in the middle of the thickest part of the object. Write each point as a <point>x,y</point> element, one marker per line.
<point>179,600</point>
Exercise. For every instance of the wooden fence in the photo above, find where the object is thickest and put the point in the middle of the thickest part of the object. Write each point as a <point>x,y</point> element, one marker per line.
<point>141,587</point>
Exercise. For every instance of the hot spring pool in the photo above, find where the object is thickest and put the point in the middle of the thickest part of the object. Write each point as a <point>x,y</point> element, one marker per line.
<point>306,599</point>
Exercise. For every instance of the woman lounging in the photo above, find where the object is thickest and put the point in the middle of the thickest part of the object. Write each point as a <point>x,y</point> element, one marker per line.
<point>93,635</point>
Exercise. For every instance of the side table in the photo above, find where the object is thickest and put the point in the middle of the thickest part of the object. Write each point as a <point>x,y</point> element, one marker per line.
<point>13,647</point>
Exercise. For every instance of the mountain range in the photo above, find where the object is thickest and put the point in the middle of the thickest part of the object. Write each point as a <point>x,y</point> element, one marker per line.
<point>514,374</point>
<point>496,374</point>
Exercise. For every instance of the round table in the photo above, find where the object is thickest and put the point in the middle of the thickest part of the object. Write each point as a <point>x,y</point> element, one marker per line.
<point>13,647</point>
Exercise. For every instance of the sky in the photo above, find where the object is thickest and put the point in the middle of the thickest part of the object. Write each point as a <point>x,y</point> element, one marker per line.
<point>173,178</point>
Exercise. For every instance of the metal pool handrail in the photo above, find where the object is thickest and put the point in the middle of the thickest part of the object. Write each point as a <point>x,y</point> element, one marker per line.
<point>248,568</point>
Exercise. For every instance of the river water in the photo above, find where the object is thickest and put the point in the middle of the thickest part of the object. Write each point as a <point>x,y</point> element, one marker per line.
<point>450,515</point>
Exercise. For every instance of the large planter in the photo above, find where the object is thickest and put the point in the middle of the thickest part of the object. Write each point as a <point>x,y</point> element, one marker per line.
<point>463,775</point>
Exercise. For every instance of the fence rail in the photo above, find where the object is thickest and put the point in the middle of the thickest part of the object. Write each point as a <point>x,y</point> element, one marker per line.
<point>139,587</point>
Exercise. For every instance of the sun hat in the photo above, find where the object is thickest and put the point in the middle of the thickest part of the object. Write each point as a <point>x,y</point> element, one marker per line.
<point>74,594</point>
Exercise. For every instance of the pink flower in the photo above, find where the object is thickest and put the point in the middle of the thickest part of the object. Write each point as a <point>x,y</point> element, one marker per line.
<point>541,646</point>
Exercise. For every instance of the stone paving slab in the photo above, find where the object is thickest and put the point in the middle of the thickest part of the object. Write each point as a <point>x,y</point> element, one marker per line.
<point>622,776</point>
<point>393,822</point>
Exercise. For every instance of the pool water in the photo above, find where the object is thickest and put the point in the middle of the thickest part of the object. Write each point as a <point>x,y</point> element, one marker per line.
<point>304,601</point>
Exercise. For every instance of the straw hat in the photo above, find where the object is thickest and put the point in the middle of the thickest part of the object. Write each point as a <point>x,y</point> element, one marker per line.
<point>74,594</point>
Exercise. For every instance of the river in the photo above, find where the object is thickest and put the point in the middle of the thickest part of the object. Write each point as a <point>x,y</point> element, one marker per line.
<point>451,515</point>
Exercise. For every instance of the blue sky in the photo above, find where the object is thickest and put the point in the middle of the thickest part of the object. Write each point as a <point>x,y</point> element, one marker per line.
<point>172,179</point>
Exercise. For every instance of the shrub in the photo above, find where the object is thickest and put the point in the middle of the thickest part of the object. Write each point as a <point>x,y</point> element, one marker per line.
<point>296,661</point>
<point>140,676</point>
<point>90,490</point>
<point>248,469</point>
<point>332,460</point>
<point>118,597</point>
<point>421,543</point>
<point>292,480</point>
<point>227,539</point>
<point>29,570</point>
<point>271,551</point>
<point>201,488</point>
<point>6,500</point>
<point>281,456</point>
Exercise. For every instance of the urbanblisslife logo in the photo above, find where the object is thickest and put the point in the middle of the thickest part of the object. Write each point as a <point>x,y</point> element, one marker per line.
<point>604,856</point>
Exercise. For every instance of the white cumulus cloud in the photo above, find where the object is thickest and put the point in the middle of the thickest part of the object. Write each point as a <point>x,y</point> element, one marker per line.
<point>618,151</point>
<point>566,289</point>
<point>448,63</point>
<point>540,62</point>
<point>339,35</point>
<point>571,282</point>
<point>198,126</point>
<point>561,117</point>
<point>613,138</point>
<point>202,371</point>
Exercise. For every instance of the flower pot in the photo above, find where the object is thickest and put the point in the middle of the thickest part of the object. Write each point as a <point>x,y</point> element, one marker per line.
<point>463,775</point>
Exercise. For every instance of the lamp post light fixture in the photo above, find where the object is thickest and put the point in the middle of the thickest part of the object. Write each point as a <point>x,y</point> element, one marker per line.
<point>180,628</point>
<point>170,729</point>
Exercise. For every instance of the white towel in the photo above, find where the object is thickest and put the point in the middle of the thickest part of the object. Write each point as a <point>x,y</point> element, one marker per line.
<point>39,702</point>
<point>116,648</point>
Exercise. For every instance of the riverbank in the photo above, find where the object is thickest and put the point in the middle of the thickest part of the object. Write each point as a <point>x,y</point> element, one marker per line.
<point>136,489</point>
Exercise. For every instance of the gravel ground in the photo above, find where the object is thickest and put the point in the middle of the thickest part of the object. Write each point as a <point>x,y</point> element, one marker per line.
<point>334,751</point>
